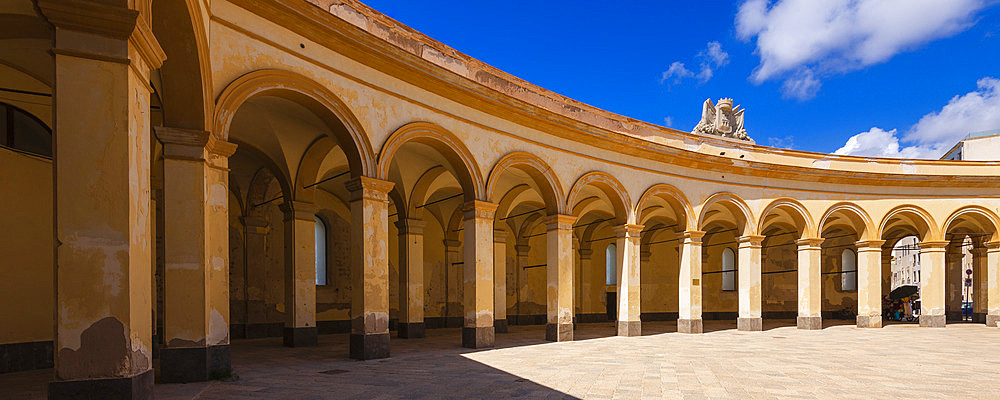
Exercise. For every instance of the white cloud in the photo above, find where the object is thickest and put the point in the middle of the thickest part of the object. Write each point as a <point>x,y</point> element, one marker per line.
<point>787,142</point>
<point>668,121</point>
<point>802,86</point>
<point>879,143</point>
<point>836,36</point>
<point>937,131</point>
<point>710,59</point>
<point>677,71</point>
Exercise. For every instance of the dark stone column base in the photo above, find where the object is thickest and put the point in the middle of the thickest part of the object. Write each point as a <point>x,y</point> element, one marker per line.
<point>992,320</point>
<point>932,321</point>
<point>135,387</point>
<point>479,337</point>
<point>690,325</point>
<point>629,328</point>
<point>559,332</point>
<point>369,347</point>
<point>809,323</point>
<point>500,325</point>
<point>750,324</point>
<point>979,318</point>
<point>300,337</point>
<point>412,330</point>
<point>194,364</point>
<point>869,321</point>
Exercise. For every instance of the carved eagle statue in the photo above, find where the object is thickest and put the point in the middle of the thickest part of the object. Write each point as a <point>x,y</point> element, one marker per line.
<point>722,120</point>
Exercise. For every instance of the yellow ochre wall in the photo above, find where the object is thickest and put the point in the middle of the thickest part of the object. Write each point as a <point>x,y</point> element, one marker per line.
<point>26,287</point>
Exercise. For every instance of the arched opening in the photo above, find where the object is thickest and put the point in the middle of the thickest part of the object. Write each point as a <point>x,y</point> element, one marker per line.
<point>841,228</point>
<point>22,131</point>
<point>600,206</point>
<point>664,212</point>
<point>902,302</point>
<point>728,269</point>
<point>969,231</point>
<point>727,224</point>
<point>320,240</point>
<point>785,266</point>
<point>849,270</point>
<point>610,257</point>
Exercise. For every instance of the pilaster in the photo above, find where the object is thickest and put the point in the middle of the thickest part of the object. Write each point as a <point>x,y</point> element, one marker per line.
<point>932,283</point>
<point>559,273</point>
<point>993,284</point>
<point>500,280</point>
<point>300,273</point>
<point>103,329</point>
<point>369,268</point>
<point>869,283</point>
<point>749,282</point>
<point>809,254</point>
<point>629,305</point>
<point>478,274</point>
<point>689,284</point>
<point>411,278</point>
<point>196,252</point>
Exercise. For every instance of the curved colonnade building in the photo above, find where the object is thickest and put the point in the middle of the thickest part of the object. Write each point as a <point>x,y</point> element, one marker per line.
<point>234,168</point>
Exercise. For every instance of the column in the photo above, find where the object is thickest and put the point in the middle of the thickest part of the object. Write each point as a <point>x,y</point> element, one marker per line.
<point>411,278</point>
<point>979,284</point>
<point>810,284</point>
<point>103,324</point>
<point>954,281</point>
<point>629,306</point>
<point>870,283</point>
<point>993,283</point>
<point>477,271</point>
<point>586,288</point>
<point>932,282</point>
<point>559,274</point>
<point>689,283</point>
<point>500,280</point>
<point>748,275</point>
<point>300,273</point>
<point>255,319</point>
<point>453,269</point>
<point>196,253</point>
<point>521,274</point>
<point>369,268</point>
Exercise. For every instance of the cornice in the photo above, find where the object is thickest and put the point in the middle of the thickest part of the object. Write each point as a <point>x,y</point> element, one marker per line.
<point>598,128</point>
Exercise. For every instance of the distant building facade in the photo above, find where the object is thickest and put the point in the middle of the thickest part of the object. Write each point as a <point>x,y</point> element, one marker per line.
<point>979,146</point>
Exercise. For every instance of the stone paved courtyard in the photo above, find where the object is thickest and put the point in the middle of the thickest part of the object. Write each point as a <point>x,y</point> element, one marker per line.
<point>898,361</point>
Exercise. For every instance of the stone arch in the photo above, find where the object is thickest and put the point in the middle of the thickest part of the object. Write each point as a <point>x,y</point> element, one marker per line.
<point>798,217</point>
<point>185,77</point>
<point>735,205</point>
<point>856,217</point>
<point>462,163</point>
<point>420,191</point>
<point>307,172</point>
<point>611,187</point>
<point>673,197</point>
<point>980,217</point>
<point>346,128</point>
<point>541,174</point>
<point>270,167</point>
<point>913,220</point>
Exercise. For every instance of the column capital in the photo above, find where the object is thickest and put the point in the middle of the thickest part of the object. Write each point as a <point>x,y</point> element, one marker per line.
<point>559,222</point>
<point>869,245</point>
<point>809,242</point>
<point>410,226</point>
<point>979,251</point>
<point>628,230</point>
<point>691,237</point>
<point>750,240</point>
<point>253,221</point>
<point>367,188</point>
<point>299,210</point>
<point>479,209</point>
<point>933,245</point>
<point>451,244</point>
<point>585,253</point>
<point>188,144</point>
<point>993,246</point>
<point>522,249</point>
<point>106,20</point>
<point>500,236</point>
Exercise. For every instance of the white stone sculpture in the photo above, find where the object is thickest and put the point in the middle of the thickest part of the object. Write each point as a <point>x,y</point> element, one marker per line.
<point>722,120</point>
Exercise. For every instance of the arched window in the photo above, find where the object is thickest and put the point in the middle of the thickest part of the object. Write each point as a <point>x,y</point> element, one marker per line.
<point>728,269</point>
<point>611,264</point>
<point>320,251</point>
<point>849,270</point>
<point>22,131</point>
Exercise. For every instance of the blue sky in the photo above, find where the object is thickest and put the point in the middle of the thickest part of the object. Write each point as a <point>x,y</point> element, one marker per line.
<point>896,78</point>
